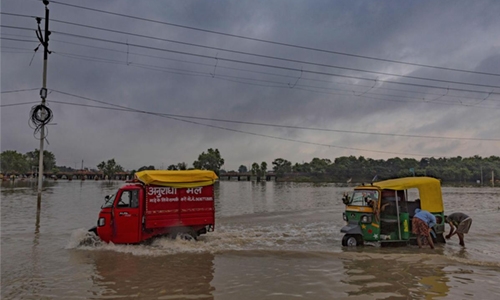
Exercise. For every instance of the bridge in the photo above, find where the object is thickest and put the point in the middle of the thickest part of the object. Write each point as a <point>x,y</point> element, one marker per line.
<point>96,175</point>
<point>247,176</point>
<point>77,175</point>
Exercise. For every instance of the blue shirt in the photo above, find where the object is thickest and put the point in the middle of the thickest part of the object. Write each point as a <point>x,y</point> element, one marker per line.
<point>425,216</point>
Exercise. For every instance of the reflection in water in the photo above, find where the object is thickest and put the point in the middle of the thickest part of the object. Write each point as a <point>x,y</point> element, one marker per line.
<point>388,275</point>
<point>185,276</point>
<point>29,185</point>
<point>248,275</point>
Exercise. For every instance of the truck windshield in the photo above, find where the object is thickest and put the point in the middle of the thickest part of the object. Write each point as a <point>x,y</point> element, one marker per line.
<point>108,201</point>
<point>361,197</point>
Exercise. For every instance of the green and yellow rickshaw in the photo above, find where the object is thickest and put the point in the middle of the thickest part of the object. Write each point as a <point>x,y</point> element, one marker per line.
<point>383,211</point>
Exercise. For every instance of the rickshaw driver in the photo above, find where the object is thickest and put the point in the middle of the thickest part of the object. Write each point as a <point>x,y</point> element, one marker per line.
<point>374,205</point>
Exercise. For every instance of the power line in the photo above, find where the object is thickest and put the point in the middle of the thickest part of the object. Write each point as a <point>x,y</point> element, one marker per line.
<point>253,133</point>
<point>228,78</point>
<point>17,91</point>
<point>18,15</point>
<point>179,118</point>
<point>281,85</point>
<point>279,126</point>
<point>278,67</point>
<point>242,70</point>
<point>18,48</point>
<point>18,40</point>
<point>18,104</point>
<point>238,69</point>
<point>16,27</point>
<point>275,66</point>
<point>273,42</point>
<point>272,84</point>
<point>272,57</point>
<point>247,132</point>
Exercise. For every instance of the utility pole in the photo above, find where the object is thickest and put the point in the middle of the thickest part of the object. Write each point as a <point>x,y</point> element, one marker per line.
<point>43,94</point>
<point>481,175</point>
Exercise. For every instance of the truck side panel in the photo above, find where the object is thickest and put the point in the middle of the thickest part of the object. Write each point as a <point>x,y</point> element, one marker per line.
<point>197,206</point>
<point>172,207</point>
<point>162,207</point>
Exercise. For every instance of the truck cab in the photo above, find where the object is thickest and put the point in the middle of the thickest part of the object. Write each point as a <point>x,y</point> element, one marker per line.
<point>120,219</point>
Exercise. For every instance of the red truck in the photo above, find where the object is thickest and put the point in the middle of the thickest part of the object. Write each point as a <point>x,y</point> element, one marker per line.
<point>159,203</point>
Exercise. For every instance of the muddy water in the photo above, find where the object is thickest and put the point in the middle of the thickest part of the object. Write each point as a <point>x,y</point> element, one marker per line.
<point>272,241</point>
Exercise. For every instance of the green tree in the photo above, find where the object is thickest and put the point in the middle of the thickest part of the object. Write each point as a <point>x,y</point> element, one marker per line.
<point>49,159</point>
<point>179,166</point>
<point>211,160</point>
<point>13,162</point>
<point>255,169</point>
<point>109,168</point>
<point>146,168</point>
<point>281,166</point>
<point>465,174</point>
<point>319,166</point>
<point>263,168</point>
<point>55,170</point>
<point>242,169</point>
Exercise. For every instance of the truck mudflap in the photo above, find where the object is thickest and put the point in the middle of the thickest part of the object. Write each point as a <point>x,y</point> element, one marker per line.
<point>351,228</point>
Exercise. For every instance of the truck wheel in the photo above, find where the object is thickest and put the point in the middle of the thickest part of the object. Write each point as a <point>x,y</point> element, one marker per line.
<point>187,236</point>
<point>351,240</point>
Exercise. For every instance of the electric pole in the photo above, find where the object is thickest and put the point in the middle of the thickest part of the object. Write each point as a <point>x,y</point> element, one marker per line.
<point>44,40</point>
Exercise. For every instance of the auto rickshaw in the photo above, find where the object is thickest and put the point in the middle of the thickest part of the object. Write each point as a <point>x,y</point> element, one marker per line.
<point>383,211</point>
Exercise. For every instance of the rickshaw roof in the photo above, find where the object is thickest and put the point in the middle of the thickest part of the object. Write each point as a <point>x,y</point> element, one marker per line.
<point>177,178</point>
<point>429,189</point>
<point>409,183</point>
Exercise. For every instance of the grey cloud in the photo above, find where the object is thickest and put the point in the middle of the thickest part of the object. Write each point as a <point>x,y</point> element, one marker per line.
<point>455,34</point>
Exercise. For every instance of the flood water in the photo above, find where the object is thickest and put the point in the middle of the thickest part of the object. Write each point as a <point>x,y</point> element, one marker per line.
<point>271,241</point>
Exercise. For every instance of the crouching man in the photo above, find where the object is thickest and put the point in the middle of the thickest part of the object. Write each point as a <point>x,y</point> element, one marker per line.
<point>459,224</point>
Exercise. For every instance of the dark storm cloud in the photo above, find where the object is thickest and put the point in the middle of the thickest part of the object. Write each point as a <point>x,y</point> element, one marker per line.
<point>452,34</point>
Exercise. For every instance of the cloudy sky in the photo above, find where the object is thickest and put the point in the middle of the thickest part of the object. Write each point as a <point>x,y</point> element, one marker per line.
<point>159,82</point>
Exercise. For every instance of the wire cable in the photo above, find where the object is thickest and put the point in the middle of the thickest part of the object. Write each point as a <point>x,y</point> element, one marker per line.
<point>17,91</point>
<point>276,84</point>
<point>269,56</point>
<point>275,125</point>
<point>256,134</point>
<point>272,42</point>
<point>246,70</point>
<point>40,116</point>
<point>276,66</point>
<point>17,104</point>
<point>18,40</point>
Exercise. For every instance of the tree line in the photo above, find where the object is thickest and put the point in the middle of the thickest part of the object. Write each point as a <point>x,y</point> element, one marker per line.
<point>361,169</point>
<point>13,162</point>
<point>341,169</point>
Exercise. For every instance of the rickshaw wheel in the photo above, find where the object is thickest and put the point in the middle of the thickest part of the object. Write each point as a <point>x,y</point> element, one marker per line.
<point>439,239</point>
<point>351,240</point>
